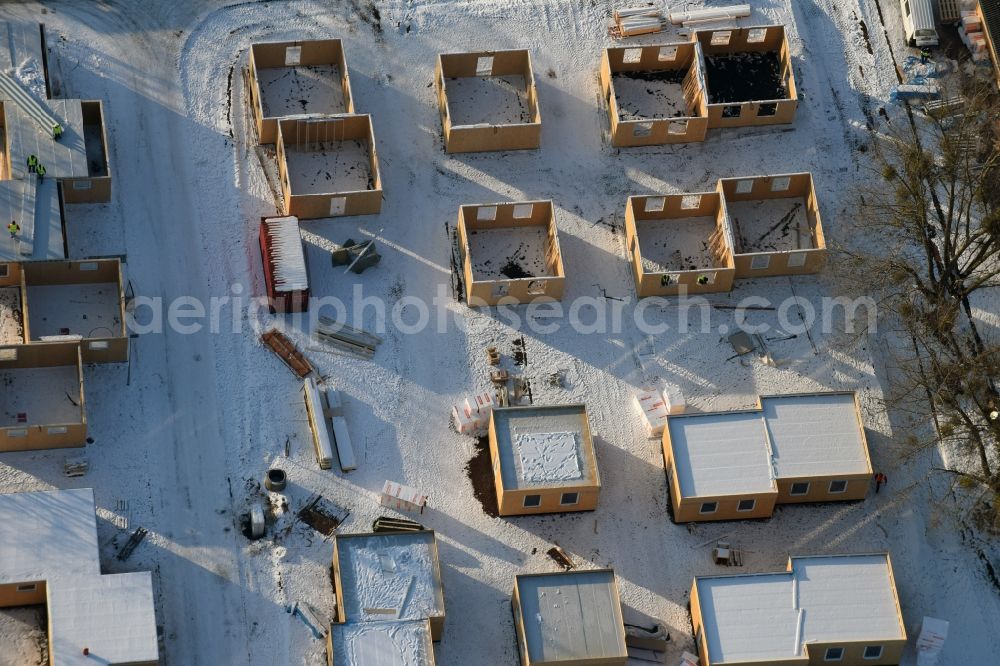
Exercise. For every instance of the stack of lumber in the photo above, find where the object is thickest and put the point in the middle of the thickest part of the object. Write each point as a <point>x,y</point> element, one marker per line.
<point>637,21</point>
<point>347,338</point>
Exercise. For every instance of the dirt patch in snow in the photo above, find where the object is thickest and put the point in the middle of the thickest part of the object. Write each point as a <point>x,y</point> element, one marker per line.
<point>744,77</point>
<point>480,472</point>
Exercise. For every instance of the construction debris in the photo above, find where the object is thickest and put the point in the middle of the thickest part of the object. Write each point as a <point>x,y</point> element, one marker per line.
<point>133,542</point>
<point>561,557</point>
<point>310,617</point>
<point>357,256</point>
<point>389,524</point>
<point>499,377</point>
<point>637,21</point>
<point>654,638</point>
<point>493,356</point>
<point>121,514</point>
<point>76,466</point>
<point>321,515</point>
<point>724,554</point>
<point>347,338</point>
<point>286,350</point>
<point>256,521</point>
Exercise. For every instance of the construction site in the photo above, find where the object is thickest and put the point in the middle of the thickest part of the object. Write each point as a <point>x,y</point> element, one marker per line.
<point>286,394</point>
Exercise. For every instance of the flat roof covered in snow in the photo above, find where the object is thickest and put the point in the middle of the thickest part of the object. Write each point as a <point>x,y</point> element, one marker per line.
<point>815,435</point>
<point>571,616</point>
<point>395,576</point>
<point>824,599</point>
<point>113,616</point>
<point>394,643</point>
<point>546,446</point>
<point>65,158</point>
<point>721,453</point>
<point>47,533</point>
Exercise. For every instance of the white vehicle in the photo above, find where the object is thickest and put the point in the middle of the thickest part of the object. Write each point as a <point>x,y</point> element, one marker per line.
<point>918,22</point>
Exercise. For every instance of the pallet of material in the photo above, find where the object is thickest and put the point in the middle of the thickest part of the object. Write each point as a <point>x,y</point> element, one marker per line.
<point>285,274</point>
<point>286,350</point>
<point>694,16</point>
<point>637,21</point>
<point>316,411</point>
<point>347,338</point>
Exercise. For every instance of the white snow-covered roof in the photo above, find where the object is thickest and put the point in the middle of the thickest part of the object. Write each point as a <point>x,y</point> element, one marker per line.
<point>44,534</point>
<point>51,537</point>
<point>396,643</point>
<point>720,454</point>
<point>825,599</point>
<point>65,158</point>
<point>571,616</point>
<point>393,576</point>
<point>112,616</point>
<point>815,435</point>
<point>287,256</point>
<point>545,446</point>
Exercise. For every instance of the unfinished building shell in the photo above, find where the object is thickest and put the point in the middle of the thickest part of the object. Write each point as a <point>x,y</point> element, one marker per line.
<point>678,243</point>
<point>748,76</point>
<point>328,167</point>
<point>295,80</point>
<point>775,224</point>
<point>510,252</point>
<point>488,101</point>
<point>655,94</point>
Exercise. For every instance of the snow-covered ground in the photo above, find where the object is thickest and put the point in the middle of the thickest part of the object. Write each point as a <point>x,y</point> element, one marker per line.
<point>185,433</point>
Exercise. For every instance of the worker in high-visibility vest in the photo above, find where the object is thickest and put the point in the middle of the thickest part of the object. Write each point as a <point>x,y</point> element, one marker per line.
<point>57,131</point>
<point>32,163</point>
<point>40,170</point>
<point>13,228</point>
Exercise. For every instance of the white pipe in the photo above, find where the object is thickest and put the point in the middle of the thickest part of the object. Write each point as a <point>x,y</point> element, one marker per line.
<point>731,12</point>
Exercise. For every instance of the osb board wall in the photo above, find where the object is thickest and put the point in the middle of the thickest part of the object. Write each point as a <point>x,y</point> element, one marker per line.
<point>819,488</point>
<point>774,40</point>
<point>46,355</point>
<point>38,438</point>
<point>659,131</point>
<point>13,276</point>
<point>682,281</point>
<point>687,510</point>
<point>45,273</point>
<point>272,54</point>
<point>9,596</point>
<point>480,138</point>
<point>522,290</point>
<point>800,186</point>
<point>87,190</point>
<point>346,127</point>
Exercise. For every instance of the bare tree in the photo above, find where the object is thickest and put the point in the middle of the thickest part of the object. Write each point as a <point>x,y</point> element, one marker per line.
<point>930,215</point>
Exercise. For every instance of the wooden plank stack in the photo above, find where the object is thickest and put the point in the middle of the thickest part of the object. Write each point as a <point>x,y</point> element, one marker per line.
<point>637,21</point>
<point>286,350</point>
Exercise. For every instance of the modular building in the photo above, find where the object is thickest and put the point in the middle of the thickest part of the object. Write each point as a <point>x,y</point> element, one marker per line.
<point>748,76</point>
<point>42,403</point>
<point>49,556</point>
<point>678,243</point>
<point>328,167</point>
<point>775,224</point>
<point>790,449</point>
<point>296,79</point>
<point>387,578</point>
<point>510,253</point>
<point>49,303</point>
<point>67,136</point>
<point>833,609</point>
<point>543,460</point>
<point>488,100</point>
<point>570,618</point>
<point>655,93</point>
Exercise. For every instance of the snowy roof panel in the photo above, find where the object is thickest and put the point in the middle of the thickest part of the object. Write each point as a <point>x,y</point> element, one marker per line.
<point>21,54</point>
<point>46,534</point>
<point>545,446</point>
<point>396,643</point>
<point>390,576</point>
<point>35,208</point>
<point>570,616</point>
<point>825,599</point>
<point>815,435</point>
<point>720,454</point>
<point>113,616</point>
<point>65,158</point>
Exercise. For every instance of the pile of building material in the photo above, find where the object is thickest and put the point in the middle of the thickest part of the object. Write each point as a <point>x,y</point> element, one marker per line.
<point>656,404</point>
<point>286,350</point>
<point>472,416</point>
<point>970,29</point>
<point>346,338</point>
<point>356,256</point>
<point>402,498</point>
<point>637,21</point>
<point>693,17</point>
<point>390,524</point>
